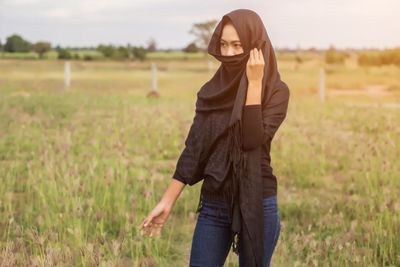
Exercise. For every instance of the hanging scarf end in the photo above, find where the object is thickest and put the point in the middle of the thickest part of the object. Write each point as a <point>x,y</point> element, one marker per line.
<point>199,205</point>
<point>235,243</point>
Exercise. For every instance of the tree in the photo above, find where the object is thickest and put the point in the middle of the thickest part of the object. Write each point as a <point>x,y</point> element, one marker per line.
<point>122,52</point>
<point>151,45</point>
<point>203,32</point>
<point>139,52</point>
<point>191,48</point>
<point>333,56</point>
<point>16,43</point>
<point>106,50</point>
<point>41,48</point>
<point>1,46</point>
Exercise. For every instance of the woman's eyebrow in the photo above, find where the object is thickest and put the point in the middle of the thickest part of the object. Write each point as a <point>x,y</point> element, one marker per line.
<point>231,41</point>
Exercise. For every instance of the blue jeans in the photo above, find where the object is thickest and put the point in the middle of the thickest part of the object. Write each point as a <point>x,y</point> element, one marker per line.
<point>212,235</point>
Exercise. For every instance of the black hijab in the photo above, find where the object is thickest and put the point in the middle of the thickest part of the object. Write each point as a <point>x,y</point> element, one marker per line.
<point>219,109</point>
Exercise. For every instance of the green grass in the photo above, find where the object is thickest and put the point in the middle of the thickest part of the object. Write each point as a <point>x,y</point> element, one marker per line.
<point>81,168</point>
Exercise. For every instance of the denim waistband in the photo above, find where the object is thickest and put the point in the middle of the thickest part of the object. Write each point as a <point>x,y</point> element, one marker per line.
<point>217,203</point>
<point>214,203</point>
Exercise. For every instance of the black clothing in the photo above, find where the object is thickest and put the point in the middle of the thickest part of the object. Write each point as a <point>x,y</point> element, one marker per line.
<point>213,148</point>
<point>252,137</point>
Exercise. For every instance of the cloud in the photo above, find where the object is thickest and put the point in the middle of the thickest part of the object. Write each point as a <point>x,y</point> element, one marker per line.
<point>19,2</point>
<point>57,13</point>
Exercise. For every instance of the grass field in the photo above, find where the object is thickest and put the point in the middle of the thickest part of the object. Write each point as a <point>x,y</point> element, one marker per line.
<point>81,168</point>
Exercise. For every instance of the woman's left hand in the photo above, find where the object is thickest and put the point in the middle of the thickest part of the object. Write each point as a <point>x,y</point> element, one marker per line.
<point>255,66</point>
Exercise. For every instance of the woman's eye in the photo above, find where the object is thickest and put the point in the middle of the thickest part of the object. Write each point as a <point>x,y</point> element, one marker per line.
<point>238,45</point>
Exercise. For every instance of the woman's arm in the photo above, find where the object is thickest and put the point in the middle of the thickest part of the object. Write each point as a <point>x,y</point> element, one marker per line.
<point>158,216</point>
<point>261,121</point>
<point>252,118</point>
<point>254,93</point>
<point>274,111</point>
<point>190,165</point>
<point>173,191</point>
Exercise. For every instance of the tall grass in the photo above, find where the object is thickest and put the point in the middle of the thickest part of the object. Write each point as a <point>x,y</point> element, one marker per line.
<point>80,169</point>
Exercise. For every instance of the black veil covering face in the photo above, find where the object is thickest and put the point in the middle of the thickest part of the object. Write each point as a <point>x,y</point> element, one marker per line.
<point>219,108</point>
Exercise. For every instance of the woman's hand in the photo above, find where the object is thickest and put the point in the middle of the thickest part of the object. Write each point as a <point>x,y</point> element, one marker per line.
<point>255,73</point>
<point>156,218</point>
<point>255,66</point>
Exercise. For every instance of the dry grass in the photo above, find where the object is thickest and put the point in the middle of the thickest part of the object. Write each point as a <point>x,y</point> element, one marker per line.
<point>80,169</point>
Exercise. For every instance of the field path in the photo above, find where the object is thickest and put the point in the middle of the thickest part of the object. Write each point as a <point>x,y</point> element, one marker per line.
<point>370,90</point>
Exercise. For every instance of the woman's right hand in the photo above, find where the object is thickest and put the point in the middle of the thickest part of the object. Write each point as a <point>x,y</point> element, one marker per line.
<point>156,218</point>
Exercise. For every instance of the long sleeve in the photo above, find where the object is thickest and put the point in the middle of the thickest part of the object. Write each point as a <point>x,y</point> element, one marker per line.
<point>189,168</point>
<point>178,177</point>
<point>274,112</point>
<point>253,129</point>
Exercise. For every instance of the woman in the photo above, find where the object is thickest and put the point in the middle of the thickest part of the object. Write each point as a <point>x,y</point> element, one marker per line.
<point>237,115</point>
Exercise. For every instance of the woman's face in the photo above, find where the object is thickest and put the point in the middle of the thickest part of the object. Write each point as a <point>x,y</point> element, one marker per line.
<point>230,42</point>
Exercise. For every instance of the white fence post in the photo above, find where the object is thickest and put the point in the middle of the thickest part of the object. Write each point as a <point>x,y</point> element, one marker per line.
<point>67,74</point>
<point>154,77</point>
<point>322,84</point>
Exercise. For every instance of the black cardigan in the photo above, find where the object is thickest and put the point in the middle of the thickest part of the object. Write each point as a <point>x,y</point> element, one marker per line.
<point>252,137</point>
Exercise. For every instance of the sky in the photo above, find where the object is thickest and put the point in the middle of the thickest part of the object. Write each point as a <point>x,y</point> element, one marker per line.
<point>289,23</point>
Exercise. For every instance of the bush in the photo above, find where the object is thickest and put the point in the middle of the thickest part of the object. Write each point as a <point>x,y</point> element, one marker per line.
<point>122,52</point>
<point>87,57</point>
<point>139,53</point>
<point>299,59</point>
<point>333,56</point>
<point>64,53</point>
<point>106,50</point>
<point>191,48</point>
<point>385,57</point>
<point>366,59</point>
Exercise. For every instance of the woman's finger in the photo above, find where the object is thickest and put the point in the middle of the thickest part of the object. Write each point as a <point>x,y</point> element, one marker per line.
<point>146,224</point>
<point>147,221</point>
<point>148,227</point>
<point>250,57</point>
<point>159,228</point>
<point>261,56</point>
<point>256,57</point>
<point>142,224</point>
<point>153,229</point>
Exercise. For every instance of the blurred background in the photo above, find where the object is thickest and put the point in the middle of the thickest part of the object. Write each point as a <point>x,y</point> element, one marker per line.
<point>97,97</point>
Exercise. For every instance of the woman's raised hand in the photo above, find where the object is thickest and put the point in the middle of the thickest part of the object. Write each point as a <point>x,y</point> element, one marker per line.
<point>156,218</point>
<point>255,66</point>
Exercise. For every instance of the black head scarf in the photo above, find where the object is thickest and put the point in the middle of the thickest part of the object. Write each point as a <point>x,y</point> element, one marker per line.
<point>218,108</point>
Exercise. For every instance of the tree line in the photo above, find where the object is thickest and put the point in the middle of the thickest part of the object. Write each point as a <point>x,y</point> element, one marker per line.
<point>370,58</point>
<point>202,32</point>
<point>17,44</point>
